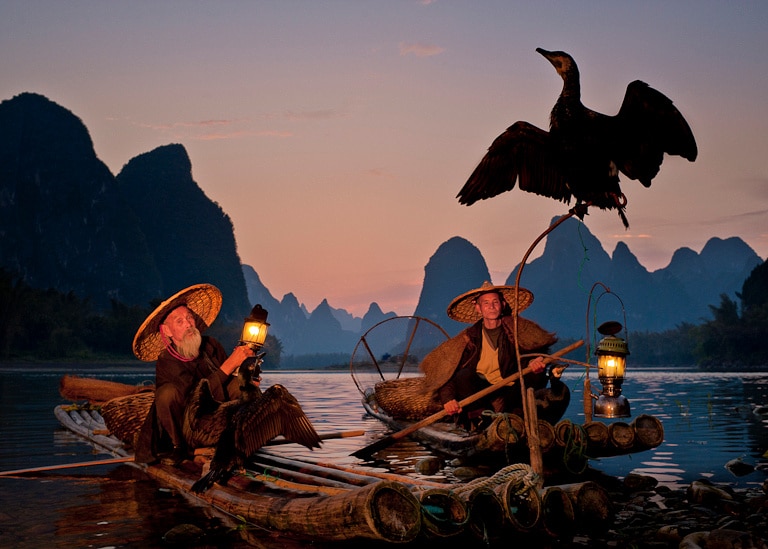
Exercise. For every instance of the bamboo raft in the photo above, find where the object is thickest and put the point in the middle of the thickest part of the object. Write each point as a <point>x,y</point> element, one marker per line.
<point>383,510</point>
<point>564,445</point>
<point>328,502</point>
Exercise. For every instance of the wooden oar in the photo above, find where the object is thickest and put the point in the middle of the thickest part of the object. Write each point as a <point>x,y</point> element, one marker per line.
<point>67,466</point>
<point>367,451</point>
<point>324,436</point>
<point>128,459</point>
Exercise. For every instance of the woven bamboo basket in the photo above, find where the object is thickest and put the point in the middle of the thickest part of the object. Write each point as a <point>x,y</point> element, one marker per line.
<point>125,415</point>
<point>406,398</point>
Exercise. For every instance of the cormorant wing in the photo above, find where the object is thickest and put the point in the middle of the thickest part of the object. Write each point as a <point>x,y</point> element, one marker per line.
<point>205,417</point>
<point>649,125</point>
<point>522,152</point>
<point>276,413</point>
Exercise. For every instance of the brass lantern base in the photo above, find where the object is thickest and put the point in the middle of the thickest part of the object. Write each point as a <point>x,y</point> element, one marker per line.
<point>611,406</point>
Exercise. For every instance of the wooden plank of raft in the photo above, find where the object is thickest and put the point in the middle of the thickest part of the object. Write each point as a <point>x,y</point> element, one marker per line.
<point>379,475</point>
<point>313,469</point>
<point>268,472</point>
<point>383,511</point>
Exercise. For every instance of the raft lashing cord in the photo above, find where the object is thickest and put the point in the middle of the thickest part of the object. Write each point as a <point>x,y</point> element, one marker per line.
<point>511,440</point>
<point>575,442</point>
<point>520,472</point>
<point>510,496</point>
<point>575,458</point>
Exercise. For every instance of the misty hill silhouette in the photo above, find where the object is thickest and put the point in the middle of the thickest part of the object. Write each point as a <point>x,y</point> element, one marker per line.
<point>67,223</point>
<point>63,222</point>
<point>189,236</point>
<point>574,260</point>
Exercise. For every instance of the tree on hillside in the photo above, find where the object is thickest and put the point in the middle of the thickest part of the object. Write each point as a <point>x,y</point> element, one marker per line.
<point>737,338</point>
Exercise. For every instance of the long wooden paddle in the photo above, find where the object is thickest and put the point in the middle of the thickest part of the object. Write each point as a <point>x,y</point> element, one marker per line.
<point>129,459</point>
<point>323,436</point>
<point>368,451</point>
<point>68,466</point>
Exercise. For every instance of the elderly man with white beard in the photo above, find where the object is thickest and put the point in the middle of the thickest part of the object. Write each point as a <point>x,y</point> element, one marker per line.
<point>172,335</point>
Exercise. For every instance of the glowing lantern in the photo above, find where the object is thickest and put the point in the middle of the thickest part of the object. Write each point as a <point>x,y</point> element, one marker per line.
<point>611,354</point>
<point>255,328</point>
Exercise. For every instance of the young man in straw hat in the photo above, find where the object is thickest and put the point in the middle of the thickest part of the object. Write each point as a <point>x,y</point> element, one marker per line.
<point>172,335</point>
<point>484,354</point>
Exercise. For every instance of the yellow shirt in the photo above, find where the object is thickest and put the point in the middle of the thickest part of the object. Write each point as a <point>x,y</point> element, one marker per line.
<point>488,365</point>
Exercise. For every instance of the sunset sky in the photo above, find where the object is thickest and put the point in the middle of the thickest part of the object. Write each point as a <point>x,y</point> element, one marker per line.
<point>336,134</point>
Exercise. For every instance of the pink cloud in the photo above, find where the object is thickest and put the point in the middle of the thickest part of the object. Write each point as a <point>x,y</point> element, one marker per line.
<point>420,49</point>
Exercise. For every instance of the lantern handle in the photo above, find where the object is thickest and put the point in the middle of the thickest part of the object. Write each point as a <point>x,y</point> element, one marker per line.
<point>606,290</point>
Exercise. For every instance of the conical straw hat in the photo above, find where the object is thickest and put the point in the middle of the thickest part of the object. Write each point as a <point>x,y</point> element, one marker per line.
<point>462,308</point>
<point>204,300</point>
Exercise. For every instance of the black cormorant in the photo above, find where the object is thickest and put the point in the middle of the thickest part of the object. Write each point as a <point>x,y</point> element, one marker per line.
<point>584,151</point>
<point>205,417</point>
<point>240,427</point>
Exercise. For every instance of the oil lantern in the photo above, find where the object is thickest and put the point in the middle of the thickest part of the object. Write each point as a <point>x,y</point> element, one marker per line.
<point>611,354</point>
<point>255,328</point>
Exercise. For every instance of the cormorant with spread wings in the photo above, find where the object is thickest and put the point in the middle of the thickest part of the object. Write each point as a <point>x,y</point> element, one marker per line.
<point>584,151</point>
<point>240,427</point>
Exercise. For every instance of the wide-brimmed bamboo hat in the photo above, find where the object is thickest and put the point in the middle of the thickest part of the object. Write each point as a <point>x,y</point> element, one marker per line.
<point>204,300</point>
<point>462,308</point>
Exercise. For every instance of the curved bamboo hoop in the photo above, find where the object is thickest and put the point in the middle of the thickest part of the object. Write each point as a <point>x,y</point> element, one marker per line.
<point>529,408</point>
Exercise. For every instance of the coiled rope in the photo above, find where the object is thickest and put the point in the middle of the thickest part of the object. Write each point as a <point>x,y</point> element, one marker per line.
<point>522,473</point>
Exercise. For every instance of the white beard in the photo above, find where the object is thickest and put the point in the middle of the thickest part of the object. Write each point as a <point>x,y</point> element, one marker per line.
<point>189,347</point>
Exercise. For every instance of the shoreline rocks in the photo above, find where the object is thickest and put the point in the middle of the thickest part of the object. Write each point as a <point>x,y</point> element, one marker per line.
<point>703,515</point>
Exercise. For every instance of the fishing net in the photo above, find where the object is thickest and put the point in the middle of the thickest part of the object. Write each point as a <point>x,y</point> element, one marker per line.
<point>393,349</point>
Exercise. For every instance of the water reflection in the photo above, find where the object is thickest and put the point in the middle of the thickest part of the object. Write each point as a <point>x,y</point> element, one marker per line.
<point>709,419</point>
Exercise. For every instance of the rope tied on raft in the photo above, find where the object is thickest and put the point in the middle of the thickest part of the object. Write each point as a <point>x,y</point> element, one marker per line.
<point>522,473</point>
<point>574,452</point>
<point>512,436</point>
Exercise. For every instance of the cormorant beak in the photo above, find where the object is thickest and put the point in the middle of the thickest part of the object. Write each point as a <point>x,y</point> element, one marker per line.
<point>558,60</point>
<point>550,55</point>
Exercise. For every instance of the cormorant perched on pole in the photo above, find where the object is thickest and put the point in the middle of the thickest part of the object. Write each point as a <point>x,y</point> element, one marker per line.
<point>584,151</point>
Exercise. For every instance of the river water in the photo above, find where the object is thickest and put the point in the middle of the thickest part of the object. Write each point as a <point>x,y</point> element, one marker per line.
<point>709,419</point>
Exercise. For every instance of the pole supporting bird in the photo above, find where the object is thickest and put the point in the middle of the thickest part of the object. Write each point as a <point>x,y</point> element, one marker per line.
<point>584,151</point>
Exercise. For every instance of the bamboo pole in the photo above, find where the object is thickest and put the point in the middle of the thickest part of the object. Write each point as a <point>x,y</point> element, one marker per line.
<point>272,462</point>
<point>128,459</point>
<point>322,436</point>
<point>292,480</point>
<point>537,462</point>
<point>402,479</point>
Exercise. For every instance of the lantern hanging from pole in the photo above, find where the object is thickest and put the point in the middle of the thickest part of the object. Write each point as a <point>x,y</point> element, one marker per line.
<point>255,328</point>
<point>611,354</point>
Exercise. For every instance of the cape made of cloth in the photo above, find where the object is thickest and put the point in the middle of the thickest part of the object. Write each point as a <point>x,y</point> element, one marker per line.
<point>438,366</point>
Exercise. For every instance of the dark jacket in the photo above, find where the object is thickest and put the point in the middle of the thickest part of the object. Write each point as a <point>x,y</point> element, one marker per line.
<point>507,358</point>
<point>185,376</point>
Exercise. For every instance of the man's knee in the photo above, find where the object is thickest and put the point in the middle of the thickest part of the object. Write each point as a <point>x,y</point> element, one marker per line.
<point>168,397</point>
